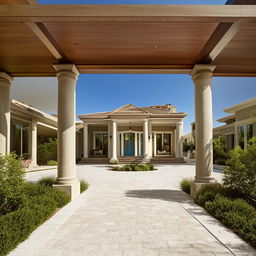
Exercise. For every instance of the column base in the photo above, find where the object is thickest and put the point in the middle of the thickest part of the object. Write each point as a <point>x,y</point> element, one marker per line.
<point>196,186</point>
<point>72,189</point>
<point>113,160</point>
<point>146,160</point>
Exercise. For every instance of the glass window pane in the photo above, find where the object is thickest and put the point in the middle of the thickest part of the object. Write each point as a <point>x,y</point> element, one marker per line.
<point>249,129</point>
<point>159,146</point>
<point>241,136</point>
<point>99,141</point>
<point>25,140</point>
<point>167,143</point>
<point>16,139</point>
<point>105,144</point>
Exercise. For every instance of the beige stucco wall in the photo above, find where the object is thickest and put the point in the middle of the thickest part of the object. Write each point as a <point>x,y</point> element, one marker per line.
<point>246,113</point>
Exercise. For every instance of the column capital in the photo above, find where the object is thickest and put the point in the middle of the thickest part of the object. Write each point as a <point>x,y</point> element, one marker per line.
<point>5,79</point>
<point>66,71</point>
<point>202,71</point>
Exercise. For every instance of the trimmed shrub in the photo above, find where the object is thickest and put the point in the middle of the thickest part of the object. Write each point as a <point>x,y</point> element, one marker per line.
<point>47,151</point>
<point>188,146</point>
<point>52,162</point>
<point>41,202</point>
<point>11,184</point>
<point>185,185</point>
<point>240,174</point>
<point>236,214</point>
<point>220,154</point>
<point>233,212</point>
<point>47,181</point>
<point>135,167</point>
<point>83,186</point>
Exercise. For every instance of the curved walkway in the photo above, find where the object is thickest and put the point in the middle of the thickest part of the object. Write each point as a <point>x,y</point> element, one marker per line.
<point>136,213</point>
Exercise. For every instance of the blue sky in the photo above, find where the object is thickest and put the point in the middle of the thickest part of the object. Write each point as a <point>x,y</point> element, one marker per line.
<point>97,93</point>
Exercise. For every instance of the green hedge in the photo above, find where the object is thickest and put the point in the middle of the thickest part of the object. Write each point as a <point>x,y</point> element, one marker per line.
<point>235,213</point>
<point>47,151</point>
<point>134,167</point>
<point>185,185</point>
<point>83,186</point>
<point>40,203</point>
<point>240,174</point>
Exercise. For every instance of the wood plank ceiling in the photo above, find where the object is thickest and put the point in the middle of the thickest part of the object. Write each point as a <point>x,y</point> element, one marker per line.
<point>30,48</point>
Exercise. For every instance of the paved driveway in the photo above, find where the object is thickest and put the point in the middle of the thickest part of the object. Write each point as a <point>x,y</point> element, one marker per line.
<point>136,213</point>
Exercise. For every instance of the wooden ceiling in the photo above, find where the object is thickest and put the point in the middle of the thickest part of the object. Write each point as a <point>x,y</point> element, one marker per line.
<point>126,38</point>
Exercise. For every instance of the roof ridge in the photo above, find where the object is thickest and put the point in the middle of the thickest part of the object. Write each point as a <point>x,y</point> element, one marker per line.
<point>128,105</point>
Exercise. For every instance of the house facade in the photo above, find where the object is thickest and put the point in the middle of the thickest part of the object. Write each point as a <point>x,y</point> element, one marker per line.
<point>239,126</point>
<point>132,132</point>
<point>29,127</point>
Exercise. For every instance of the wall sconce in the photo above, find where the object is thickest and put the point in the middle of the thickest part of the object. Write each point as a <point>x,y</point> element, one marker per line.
<point>110,137</point>
<point>149,137</point>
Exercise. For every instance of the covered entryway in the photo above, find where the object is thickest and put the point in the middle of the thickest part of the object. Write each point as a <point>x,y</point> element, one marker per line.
<point>129,144</point>
<point>63,41</point>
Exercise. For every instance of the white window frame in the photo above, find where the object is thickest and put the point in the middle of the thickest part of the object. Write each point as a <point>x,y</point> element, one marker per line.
<point>162,132</point>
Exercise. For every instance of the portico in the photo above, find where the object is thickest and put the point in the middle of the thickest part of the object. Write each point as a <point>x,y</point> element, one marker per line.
<point>41,40</point>
<point>132,131</point>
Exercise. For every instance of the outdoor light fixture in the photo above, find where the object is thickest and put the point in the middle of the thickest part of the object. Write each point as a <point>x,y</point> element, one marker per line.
<point>110,137</point>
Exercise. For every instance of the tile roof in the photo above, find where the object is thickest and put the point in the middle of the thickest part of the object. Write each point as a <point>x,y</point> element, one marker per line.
<point>132,110</point>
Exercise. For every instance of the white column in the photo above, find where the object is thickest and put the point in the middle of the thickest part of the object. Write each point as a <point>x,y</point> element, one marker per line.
<point>86,144</point>
<point>109,141</point>
<point>173,142</point>
<point>150,146</point>
<point>33,142</point>
<point>155,144</point>
<point>67,75</point>
<point>136,144</point>
<point>122,144</point>
<point>179,144</point>
<point>145,141</point>
<point>114,142</point>
<point>5,116</point>
<point>202,77</point>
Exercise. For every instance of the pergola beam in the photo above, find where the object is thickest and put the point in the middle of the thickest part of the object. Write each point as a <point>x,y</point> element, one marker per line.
<point>46,38</point>
<point>219,39</point>
<point>135,69</point>
<point>179,13</point>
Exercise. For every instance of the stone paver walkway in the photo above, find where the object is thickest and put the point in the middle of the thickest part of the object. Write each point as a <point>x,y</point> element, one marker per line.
<point>132,214</point>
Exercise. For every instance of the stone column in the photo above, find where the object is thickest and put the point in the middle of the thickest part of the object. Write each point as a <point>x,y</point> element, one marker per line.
<point>145,141</point>
<point>122,144</point>
<point>135,144</point>
<point>150,143</point>
<point>155,145</point>
<point>114,143</point>
<point>109,141</point>
<point>67,75</point>
<point>173,142</point>
<point>86,144</point>
<point>202,77</point>
<point>5,116</point>
<point>179,144</point>
<point>33,141</point>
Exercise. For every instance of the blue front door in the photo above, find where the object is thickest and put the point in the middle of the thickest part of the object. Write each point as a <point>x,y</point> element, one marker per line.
<point>129,144</point>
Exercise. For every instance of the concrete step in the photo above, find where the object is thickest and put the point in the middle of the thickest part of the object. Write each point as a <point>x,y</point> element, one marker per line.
<point>94,160</point>
<point>129,160</point>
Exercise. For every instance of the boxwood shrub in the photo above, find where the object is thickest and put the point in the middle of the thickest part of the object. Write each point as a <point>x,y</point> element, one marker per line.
<point>185,185</point>
<point>134,167</point>
<point>39,204</point>
<point>235,213</point>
